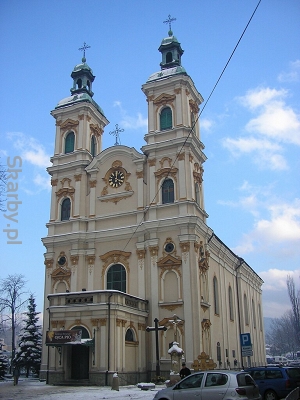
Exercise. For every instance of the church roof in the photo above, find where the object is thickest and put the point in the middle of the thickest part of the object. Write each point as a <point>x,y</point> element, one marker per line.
<point>83,66</point>
<point>170,39</point>
<point>78,98</point>
<point>165,73</point>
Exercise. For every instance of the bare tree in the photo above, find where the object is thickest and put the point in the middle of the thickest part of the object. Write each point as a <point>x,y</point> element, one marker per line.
<point>3,181</point>
<point>281,335</point>
<point>11,303</point>
<point>295,302</point>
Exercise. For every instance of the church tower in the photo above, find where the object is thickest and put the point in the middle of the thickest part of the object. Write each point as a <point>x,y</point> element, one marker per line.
<point>175,194</point>
<point>173,130</point>
<point>80,124</point>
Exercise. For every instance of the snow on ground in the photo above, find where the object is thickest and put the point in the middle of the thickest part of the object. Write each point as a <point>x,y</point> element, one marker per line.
<point>29,389</point>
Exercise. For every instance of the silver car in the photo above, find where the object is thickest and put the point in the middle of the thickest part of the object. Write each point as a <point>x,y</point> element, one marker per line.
<point>212,385</point>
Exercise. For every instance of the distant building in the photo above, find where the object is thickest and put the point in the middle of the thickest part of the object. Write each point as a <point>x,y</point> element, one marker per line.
<point>128,242</point>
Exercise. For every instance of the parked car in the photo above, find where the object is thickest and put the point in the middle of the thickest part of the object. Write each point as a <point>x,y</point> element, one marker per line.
<point>270,360</point>
<point>211,385</point>
<point>281,360</point>
<point>294,363</point>
<point>275,382</point>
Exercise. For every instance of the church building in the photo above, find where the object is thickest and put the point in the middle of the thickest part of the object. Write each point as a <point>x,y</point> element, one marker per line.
<point>128,244</point>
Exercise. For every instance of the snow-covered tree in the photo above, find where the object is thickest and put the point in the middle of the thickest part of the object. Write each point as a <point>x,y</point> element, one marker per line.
<point>28,354</point>
<point>3,363</point>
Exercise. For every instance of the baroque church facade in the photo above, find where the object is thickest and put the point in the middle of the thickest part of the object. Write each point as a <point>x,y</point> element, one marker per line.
<point>128,243</point>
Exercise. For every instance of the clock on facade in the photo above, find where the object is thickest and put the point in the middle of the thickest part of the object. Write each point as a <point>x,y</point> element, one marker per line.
<point>169,247</point>
<point>62,260</point>
<point>116,178</point>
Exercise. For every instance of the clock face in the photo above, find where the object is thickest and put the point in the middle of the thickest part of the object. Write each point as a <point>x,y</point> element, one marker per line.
<point>62,260</point>
<point>169,247</point>
<point>116,178</point>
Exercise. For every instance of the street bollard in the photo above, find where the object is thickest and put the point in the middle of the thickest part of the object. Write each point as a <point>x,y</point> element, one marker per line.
<point>115,382</point>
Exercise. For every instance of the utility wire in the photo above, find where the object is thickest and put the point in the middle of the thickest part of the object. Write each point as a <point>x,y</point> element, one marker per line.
<point>195,122</point>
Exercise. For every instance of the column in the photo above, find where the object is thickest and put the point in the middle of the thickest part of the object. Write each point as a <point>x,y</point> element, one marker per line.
<point>141,252</point>
<point>90,271</point>
<point>76,209</point>
<point>178,104</point>
<point>53,210</point>
<point>152,188</point>
<point>181,177</point>
<point>74,269</point>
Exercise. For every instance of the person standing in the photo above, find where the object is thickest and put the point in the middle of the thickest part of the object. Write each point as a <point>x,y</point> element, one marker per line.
<point>185,371</point>
<point>16,374</point>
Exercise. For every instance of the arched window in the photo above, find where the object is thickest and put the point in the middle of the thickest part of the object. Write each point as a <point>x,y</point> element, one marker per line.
<point>129,336</point>
<point>166,118</point>
<point>93,146</point>
<point>169,57</point>
<point>116,278</point>
<point>230,300</point>
<point>65,209</point>
<point>254,314</point>
<point>84,332</point>
<point>69,142</point>
<point>168,191</point>
<point>216,296</point>
<point>79,83</point>
<point>246,310</point>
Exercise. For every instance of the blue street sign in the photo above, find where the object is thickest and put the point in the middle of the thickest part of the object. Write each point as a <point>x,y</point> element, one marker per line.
<point>245,340</point>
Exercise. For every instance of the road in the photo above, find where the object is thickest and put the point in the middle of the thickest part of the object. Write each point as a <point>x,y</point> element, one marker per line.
<point>34,389</point>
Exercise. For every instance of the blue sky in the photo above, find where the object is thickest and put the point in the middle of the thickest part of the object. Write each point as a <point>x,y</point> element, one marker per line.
<point>250,126</point>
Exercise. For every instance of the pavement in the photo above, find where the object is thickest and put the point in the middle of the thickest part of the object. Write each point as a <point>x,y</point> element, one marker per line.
<point>34,389</point>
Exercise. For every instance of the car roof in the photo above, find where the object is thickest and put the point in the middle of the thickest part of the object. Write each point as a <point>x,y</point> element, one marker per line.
<point>269,366</point>
<point>221,371</point>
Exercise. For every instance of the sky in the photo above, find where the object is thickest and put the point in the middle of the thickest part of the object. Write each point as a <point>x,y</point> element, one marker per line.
<point>250,126</point>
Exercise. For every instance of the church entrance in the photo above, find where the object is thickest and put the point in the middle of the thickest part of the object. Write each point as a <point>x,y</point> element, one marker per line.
<point>80,362</point>
<point>80,357</point>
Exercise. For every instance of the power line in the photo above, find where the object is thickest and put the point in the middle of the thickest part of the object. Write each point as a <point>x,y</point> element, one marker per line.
<point>195,122</point>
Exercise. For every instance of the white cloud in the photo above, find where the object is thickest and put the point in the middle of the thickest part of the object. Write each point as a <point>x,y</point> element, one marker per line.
<point>261,96</point>
<point>278,232</point>
<point>274,125</point>
<point>248,145</point>
<point>206,124</point>
<point>43,182</point>
<point>283,225</point>
<point>30,149</point>
<point>293,74</point>
<point>277,121</point>
<point>266,153</point>
<point>128,122</point>
<point>275,294</point>
<point>275,279</point>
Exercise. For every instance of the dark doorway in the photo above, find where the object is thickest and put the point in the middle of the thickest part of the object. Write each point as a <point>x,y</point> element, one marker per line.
<point>80,357</point>
<point>80,362</point>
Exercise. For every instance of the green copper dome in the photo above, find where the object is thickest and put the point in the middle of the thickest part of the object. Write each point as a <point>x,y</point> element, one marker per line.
<point>83,66</point>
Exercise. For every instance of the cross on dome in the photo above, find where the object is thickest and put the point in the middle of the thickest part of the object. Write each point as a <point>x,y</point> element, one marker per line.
<point>84,48</point>
<point>169,21</point>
